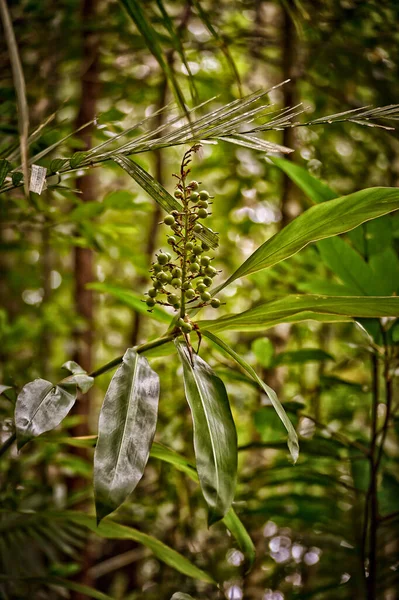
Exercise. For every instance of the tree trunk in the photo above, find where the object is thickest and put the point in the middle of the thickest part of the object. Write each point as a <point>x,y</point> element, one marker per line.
<point>83,257</point>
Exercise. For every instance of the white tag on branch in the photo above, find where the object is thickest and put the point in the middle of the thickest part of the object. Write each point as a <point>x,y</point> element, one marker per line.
<point>37,179</point>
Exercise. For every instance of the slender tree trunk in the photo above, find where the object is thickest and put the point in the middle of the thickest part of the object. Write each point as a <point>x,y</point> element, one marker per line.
<point>83,257</point>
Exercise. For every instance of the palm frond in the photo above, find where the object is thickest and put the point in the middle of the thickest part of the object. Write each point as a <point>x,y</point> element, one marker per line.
<point>227,123</point>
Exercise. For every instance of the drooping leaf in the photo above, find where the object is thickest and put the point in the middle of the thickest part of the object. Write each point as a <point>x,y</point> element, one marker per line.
<point>131,299</point>
<point>57,164</point>
<point>77,159</point>
<point>125,433</point>
<point>231,520</point>
<point>110,530</point>
<point>321,221</point>
<point>160,194</point>
<point>79,376</point>
<point>293,444</point>
<point>302,307</point>
<point>40,407</point>
<point>215,437</point>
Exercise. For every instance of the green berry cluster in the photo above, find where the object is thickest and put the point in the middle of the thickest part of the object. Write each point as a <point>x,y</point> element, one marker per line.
<point>187,277</point>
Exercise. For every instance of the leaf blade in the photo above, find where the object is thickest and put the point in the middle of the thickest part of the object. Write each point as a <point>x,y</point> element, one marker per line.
<point>303,307</point>
<point>215,437</point>
<point>40,407</point>
<point>293,444</point>
<point>319,222</point>
<point>126,430</point>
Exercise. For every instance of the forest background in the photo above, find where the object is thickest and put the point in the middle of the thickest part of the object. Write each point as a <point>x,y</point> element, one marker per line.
<point>74,268</point>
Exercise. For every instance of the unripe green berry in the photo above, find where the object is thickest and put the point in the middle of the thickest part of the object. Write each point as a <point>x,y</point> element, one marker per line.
<point>150,302</point>
<point>202,204</point>
<point>193,258</point>
<point>202,213</point>
<point>157,268</point>
<point>205,296</point>
<point>152,292</point>
<point>189,245</point>
<point>172,240</point>
<point>205,260</point>
<point>169,220</point>
<point>162,259</point>
<point>181,322</point>
<point>204,195</point>
<point>186,328</point>
<point>194,185</point>
<point>197,250</point>
<point>157,284</point>
<point>173,299</point>
<point>162,276</point>
<point>169,256</point>
<point>215,302</point>
<point>176,282</point>
<point>201,287</point>
<point>190,294</point>
<point>176,305</point>
<point>194,196</point>
<point>194,268</point>
<point>207,281</point>
<point>178,194</point>
<point>211,271</point>
<point>176,272</point>
<point>168,277</point>
<point>187,285</point>
<point>204,246</point>
<point>197,228</point>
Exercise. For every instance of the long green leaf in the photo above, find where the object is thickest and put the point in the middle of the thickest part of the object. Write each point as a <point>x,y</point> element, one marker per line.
<point>49,581</point>
<point>125,433</point>
<point>5,168</point>
<point>20,89</point>
<point>110,530</point>
<point>338,255</point>
<point>303,307</point>
<point>231,520</point>
<point>137,13</point>
<point>321,221</point>
<point>160,194</point>
<point>131,299</point>
<point>293,444</point>
<point>215,437</point>
<point>40,407</point>
<point>314,189</point>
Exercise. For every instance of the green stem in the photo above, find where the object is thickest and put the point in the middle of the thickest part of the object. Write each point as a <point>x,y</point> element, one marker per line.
<point>184,264</point>
<point>9,442</point>
<point>139,349</point>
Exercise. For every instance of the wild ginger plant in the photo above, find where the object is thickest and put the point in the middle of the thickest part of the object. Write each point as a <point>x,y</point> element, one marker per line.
<point>183,282</point>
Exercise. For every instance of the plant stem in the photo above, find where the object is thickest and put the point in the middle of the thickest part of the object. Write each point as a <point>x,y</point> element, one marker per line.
<point>139,349</point>
<point>184,263</point>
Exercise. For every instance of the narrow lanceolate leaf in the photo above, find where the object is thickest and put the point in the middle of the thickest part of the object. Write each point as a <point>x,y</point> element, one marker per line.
<point>321,221</point>
<point>314,189</point>
<point>231,519</point>
<point>114,531</point>
<point>40,407</point>
<point>160,194</point>
<point>303,307</point>
<point>215,437</point>
<point>293,444</point>
<point>126,430</point>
